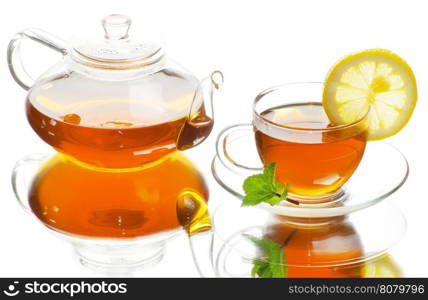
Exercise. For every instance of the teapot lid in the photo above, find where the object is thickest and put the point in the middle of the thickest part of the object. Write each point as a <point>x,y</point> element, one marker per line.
<point>116,48</point>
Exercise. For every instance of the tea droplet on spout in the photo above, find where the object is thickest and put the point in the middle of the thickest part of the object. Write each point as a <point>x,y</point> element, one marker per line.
<point>192,213</point>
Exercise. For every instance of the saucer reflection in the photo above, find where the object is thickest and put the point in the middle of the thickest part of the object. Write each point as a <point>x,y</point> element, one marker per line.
<point>327,248</point>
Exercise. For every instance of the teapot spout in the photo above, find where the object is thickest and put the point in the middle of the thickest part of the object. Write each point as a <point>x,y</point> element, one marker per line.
<point>193,216</point>
<point>200,120</point>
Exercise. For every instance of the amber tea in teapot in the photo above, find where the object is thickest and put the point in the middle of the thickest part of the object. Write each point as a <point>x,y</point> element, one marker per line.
<point>109,134</point>
<point>94,202</point>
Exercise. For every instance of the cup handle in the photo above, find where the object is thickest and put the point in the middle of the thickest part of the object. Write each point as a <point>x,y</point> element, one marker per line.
<point>228,134</point>
<point>16,66</point>
<point>22,176</point>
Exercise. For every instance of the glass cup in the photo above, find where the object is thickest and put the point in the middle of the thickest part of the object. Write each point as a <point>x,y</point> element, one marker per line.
<point>313,156</point>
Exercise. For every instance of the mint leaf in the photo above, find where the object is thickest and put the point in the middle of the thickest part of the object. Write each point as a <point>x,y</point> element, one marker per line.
<point>255,198</point>
<point>264,188</point>
<point>285,192</point>
<point>260,266</point>
<point>256,184</point>
<point>269,172</point>
<point>273,200</point>
<point>272,265</point>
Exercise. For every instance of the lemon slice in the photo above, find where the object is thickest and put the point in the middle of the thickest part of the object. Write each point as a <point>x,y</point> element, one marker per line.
<point>377,81</point>
<point>385,267</point>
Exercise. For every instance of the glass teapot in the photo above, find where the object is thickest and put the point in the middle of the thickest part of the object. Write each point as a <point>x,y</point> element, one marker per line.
<point>114,100</point>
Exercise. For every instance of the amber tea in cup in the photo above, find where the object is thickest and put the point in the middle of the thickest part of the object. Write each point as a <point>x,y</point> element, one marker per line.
<point>313,159</point>
<point>312,155</point>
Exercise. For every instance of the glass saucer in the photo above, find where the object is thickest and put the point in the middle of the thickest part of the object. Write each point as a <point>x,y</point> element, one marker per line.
<point>382,171</point>
<point>347,246</point>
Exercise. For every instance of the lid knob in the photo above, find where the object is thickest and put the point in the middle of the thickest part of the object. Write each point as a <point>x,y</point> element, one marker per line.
<point>116,26</point>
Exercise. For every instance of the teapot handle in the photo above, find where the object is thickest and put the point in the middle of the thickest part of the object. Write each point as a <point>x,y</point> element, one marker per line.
<point>16,67</point>
<point>22,176</point>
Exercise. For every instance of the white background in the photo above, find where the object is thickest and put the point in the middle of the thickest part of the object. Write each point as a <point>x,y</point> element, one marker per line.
<point>257,44</point>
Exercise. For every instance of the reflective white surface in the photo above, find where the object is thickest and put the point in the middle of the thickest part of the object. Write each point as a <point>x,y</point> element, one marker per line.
<point>291,41</point>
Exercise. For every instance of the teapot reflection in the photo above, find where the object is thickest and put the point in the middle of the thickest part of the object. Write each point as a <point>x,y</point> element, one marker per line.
<point>79,200</point>
<point>116,220</point>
